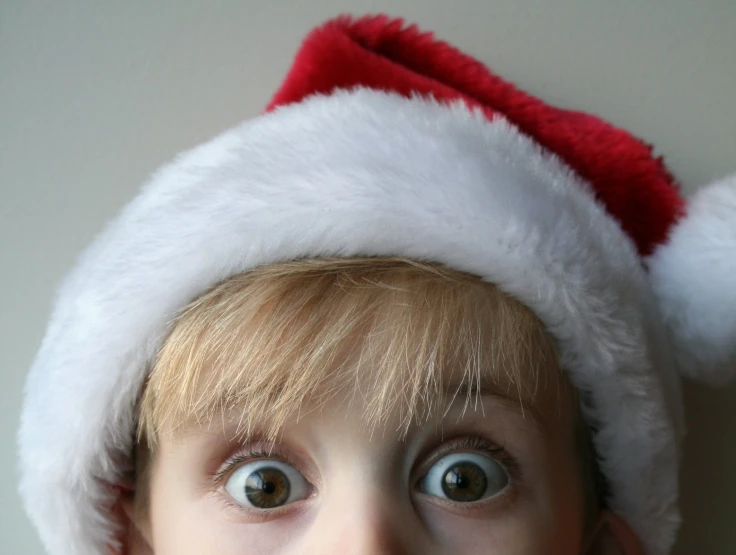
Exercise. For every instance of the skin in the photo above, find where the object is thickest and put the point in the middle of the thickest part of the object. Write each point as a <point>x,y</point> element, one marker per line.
<point>366,491</point>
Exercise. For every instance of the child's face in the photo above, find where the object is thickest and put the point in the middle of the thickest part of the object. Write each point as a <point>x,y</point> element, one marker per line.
<point>496,478</point>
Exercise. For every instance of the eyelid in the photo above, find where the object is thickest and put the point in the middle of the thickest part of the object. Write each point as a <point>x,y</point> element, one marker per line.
<point>476,444</point>
<point>253,452</point>
<point>262,449</point>
<point>256,515</point>
<point>473,443</point>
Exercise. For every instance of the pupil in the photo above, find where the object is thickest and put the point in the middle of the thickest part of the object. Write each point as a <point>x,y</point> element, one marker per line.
<point>461,482</point>
<point>267,488</point>
<point>465,482</point>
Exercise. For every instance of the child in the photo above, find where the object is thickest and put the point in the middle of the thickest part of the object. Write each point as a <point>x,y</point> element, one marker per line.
<point>418,312</point>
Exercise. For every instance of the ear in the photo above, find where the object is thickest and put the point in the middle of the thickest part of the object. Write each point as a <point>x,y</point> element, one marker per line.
<point>137,540</point>
<point>612,536</point>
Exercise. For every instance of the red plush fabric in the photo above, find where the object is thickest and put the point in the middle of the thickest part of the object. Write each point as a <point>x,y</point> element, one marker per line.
<point>382,53</point>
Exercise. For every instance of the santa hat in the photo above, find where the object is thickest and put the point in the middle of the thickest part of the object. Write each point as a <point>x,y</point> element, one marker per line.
<point>383,141</point>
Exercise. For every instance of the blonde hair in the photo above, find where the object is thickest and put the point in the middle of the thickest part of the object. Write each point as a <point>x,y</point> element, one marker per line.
<point>260,344</point>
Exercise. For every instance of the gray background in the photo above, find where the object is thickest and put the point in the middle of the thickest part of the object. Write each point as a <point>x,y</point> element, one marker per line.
<point>94,97</point>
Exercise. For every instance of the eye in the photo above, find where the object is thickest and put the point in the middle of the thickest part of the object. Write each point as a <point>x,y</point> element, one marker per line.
<point>465,477</point>
<point>266,484</point>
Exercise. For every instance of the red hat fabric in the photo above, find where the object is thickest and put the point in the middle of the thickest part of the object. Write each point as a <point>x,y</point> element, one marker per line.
<point>385,54</point>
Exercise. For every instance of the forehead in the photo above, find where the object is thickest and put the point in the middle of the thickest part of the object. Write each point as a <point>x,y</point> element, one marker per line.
<point>407,340</point>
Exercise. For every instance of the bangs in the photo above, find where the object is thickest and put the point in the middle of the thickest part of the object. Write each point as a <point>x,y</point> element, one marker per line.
<point>405,337</point>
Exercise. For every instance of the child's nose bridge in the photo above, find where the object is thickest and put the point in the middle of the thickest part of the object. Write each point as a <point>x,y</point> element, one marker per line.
<point>367,517</point>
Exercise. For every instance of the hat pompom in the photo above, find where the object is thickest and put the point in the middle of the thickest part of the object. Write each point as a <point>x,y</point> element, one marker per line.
<point>694,279</point>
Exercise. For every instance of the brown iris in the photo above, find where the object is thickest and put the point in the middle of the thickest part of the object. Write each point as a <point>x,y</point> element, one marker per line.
<point>464,482</point>
<point>267,487</point>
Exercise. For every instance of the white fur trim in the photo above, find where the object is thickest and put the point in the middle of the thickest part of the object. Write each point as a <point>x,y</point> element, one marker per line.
<point>356,173</point>
<point>694,277</point>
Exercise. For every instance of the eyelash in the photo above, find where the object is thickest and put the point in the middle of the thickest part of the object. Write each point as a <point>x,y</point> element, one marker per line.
<point>249,455</point>
<point>468,443</point>
<point>481,445</point>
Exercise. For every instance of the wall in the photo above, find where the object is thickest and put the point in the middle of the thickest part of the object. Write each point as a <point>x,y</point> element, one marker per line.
<point>94,96</point>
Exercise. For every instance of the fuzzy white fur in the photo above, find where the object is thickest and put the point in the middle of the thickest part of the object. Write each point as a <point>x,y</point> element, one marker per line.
<point>356,173</point>
<point>694,277</point>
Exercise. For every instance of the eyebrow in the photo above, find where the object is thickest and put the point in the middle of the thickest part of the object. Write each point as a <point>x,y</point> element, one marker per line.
<point>517,398</point>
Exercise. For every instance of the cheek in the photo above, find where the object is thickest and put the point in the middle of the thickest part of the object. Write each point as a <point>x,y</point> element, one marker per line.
<point>524,531</point>
<point>527,529</point>
<point>180,523</point>
<point>189,520</point>
<point>174,526</point>
<point>560,506</point>
<point>545,517</point>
